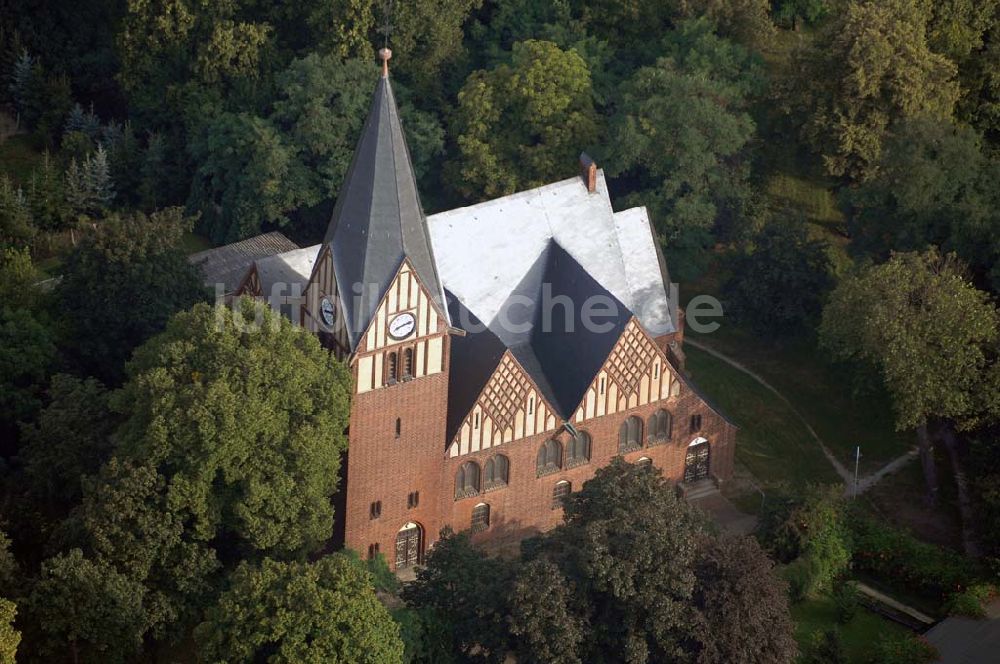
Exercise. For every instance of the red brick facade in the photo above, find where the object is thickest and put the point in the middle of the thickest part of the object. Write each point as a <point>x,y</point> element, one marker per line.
<point>386,469</point>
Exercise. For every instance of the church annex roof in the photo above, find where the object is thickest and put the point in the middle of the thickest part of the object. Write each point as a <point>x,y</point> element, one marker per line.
<point>378,219</point>
<point>228,264</point>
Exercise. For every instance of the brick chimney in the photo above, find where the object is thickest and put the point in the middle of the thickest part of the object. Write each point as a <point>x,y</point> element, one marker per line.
<point>588,171</point>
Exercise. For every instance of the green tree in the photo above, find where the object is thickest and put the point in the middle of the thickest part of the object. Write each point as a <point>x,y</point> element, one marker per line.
<point>120,286</point>
<point>681,133</point>
<point>541,619</point>
<point>244,419</point>
<point>870,66</point>
<point>285,613</point>
<point>17,228</point>
<point>427,36</point>
<point>85,611</point>
<point>47,197</point>
<point>742,605</point>
<point>463,588</point>
<point>9,637</point>
<point>779,280</point>
<point>927,332</point>
<point>71,438</point>
<point>518,124</point>
<point>957,27</point>
<point>617,529</point>
<point>245,177</point>
<point>935,185</point>
<point>128,524</point>
<point>790,12</point>
<point>27,355</point>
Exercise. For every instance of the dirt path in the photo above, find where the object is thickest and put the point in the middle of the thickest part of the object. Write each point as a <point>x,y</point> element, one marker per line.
<point>864,483</point>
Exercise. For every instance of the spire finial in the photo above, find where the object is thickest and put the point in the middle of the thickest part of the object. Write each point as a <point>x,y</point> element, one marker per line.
<point>384,54</point>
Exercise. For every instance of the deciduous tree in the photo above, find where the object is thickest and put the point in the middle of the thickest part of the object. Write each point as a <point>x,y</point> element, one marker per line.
<point>519,124</point>
<point>325,611</point>
<point>927,332</point>
<point>871,66</point>
<point>122,284</point>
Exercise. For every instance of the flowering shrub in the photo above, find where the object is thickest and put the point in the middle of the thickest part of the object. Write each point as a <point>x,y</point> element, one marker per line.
<point>903,649</point>
<point>972,601</point>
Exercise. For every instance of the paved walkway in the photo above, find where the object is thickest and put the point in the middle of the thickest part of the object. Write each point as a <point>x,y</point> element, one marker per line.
<point>729,518</point>
<point>864,483</point>
<point>968,641</point>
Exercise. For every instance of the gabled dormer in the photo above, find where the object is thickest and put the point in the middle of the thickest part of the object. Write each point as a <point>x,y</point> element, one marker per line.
<point>378,223</point>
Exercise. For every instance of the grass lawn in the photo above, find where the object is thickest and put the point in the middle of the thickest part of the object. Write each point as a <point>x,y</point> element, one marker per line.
<point>772,443</point>
<point>858,635</point>
<point>19,156</point>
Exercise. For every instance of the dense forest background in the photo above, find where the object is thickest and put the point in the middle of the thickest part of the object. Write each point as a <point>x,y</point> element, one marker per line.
<point>837,162</point>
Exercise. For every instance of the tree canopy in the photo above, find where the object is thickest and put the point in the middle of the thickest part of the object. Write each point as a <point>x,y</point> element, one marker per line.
<point>319,612</point>
<point>520,124</point>
<point>871,66</point>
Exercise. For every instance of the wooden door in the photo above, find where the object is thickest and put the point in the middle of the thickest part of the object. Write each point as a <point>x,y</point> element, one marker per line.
<point>696,465</point>
<point>408,546</point>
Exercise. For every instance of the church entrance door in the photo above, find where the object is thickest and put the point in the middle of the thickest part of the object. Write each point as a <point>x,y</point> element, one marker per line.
<point>696,464</point>
<point>409,541</point>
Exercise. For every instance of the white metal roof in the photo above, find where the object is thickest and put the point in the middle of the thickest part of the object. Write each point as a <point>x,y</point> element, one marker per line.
<point>483,251</point>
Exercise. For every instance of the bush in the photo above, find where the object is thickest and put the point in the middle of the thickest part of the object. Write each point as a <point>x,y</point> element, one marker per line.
<point>846,599</point>
<point>972,601</point>
<point>903,649</point>
<point>808,531</point>
<point>892,554</point>
<point>824,647</point>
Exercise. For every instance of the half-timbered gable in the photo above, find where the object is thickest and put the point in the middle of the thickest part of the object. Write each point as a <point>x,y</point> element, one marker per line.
<point>406,337</point>
<point>636,373</point>
<point>324,312</point>
<point>509,408</point>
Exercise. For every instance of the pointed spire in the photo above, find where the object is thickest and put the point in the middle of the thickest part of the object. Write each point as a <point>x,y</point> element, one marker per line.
<point>378,220</point>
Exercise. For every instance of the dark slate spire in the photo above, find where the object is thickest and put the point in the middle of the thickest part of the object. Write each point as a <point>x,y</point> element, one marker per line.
<point>378,220</point>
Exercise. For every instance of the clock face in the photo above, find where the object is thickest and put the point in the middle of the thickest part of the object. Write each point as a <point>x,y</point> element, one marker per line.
<point>401,326</point>
<point>327,312</point>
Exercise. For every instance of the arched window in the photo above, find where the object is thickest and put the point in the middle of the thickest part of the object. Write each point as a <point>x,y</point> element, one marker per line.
<point>408,363</point>
<point>559,493</point>
<point>659,427</point>
<point>480,517</point>
<point>630,435</point>
<point>495,472</point>
<point>467,480</point>
<point>391,368</point>
<point>549,457</point>
<point>644,462</point>
<point>579,449</point>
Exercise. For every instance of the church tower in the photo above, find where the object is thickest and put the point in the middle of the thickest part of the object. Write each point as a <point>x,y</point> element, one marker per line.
<point>375,298</point>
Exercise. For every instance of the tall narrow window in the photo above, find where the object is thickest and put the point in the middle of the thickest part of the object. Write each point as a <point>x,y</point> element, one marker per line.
<point>467,480</point>
<point>399,426</point>
<point>695,423</point>
<point>656,371</point>
<point>495,472</point>
<point>602,386</point>
<point>630,435</point>
<point>480,517</point>
<point>659,427</point>
<point>531,406</point>
<point>475,421</point>
<point>372,551</point>
<point>391,368</point>
<point>549,458</point>
<point>578,451</point>
<point>559,493</point>
<point>412,499</point>
<point>408,363</point>
<point>375,510</point>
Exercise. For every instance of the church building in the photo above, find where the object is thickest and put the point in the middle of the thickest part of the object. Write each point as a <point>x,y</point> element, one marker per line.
<point>501,352</point>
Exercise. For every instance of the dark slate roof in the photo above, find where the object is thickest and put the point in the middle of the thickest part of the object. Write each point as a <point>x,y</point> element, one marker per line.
<point>378,219</point>
<point>228,264</point>
<point>558,352</point>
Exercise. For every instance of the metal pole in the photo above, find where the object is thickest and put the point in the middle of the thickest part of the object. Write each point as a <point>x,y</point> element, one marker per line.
<point>857,462</point>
